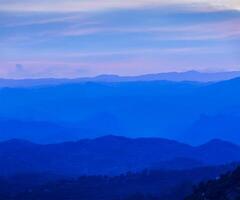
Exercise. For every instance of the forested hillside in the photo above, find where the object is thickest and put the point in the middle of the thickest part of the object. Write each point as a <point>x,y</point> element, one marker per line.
<point>225,187</point>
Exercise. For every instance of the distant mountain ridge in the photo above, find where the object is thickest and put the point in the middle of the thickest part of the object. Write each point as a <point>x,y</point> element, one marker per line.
<point>194,76</point>
<point>111,155</point>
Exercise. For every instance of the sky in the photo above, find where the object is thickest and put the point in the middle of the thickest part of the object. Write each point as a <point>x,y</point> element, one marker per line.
<point>78,38</point>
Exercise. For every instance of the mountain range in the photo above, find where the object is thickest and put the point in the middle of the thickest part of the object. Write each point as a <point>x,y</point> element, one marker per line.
<point>190,112</point>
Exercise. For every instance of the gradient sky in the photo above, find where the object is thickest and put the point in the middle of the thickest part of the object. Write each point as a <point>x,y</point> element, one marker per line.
<point>75,38</point>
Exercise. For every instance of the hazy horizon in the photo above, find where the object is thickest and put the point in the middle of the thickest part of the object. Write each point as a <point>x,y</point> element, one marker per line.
<point>81,39</point>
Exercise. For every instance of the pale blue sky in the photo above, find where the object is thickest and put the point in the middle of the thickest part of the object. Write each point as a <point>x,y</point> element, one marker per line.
<point>86,38</point>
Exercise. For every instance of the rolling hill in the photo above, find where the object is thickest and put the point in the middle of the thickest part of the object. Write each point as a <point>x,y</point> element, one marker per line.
<point>111,155</point>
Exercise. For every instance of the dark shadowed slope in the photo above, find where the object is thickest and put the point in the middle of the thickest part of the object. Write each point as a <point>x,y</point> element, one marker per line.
<point>111,155</point>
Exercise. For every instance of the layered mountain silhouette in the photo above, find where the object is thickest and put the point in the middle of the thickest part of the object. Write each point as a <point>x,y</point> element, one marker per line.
<point>186,111</point>
<point>111,155</point>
